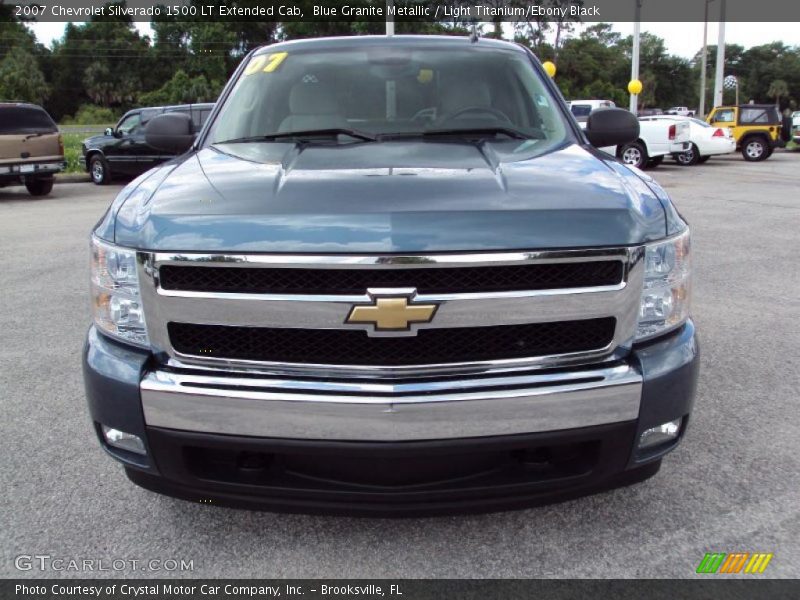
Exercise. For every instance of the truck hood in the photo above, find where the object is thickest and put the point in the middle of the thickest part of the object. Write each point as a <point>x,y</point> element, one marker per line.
<point>394,196</point>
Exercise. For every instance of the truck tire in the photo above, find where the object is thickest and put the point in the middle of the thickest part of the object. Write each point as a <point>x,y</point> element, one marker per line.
<point>99,171</point>
<point>689,158</point>
<point>634,154</point>
<point>654,162</point>
<point>755,148</point>
<point>39,187</point>
<point>703,159</point>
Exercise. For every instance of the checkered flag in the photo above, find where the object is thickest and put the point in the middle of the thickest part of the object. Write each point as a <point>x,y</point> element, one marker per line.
<point>730,82</point>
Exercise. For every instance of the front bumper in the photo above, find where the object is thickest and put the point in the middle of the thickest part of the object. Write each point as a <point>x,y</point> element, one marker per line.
<point>502,442</point>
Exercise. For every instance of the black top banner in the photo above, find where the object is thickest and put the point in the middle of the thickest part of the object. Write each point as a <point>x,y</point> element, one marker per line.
<point>454,11</point>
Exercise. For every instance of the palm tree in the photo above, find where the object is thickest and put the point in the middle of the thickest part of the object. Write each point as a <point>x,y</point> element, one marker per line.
<point>778,89</point>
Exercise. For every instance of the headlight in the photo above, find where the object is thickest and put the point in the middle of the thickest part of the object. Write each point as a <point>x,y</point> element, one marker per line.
<point>116,305</point>
<point>667,286</point>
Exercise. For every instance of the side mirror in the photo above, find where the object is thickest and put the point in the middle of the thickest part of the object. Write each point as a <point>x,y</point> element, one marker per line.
<point>611,127</point>
<point>109,131</point>
<point>172,132</point>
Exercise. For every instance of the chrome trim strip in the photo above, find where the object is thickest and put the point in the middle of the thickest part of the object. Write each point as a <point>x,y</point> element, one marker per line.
<point>330,311</point>
<point>390,261</point>
<point>436,410</point>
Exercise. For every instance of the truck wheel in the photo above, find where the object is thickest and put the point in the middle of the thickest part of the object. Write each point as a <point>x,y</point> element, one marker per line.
<point>98,170</point>
<point>39,187</point>
<point>755,149</point>
<point>703,159</point>
<point>688,158</point>
<point>634,154</point>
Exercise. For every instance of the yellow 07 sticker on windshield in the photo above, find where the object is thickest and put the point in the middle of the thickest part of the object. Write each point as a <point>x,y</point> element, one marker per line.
<point>266,63</point>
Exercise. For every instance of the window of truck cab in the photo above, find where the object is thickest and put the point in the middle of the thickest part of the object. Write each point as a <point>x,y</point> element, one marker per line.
<point>391,89</point>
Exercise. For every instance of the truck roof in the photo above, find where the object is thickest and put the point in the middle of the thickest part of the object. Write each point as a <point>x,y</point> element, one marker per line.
<point>382,40</point>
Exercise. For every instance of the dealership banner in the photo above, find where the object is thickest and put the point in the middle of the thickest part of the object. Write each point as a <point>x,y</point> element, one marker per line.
<point>398,589</point>
<point>453,11</point>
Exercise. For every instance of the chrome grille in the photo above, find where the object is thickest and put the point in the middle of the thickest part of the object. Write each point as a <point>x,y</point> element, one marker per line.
<point>322,313</point>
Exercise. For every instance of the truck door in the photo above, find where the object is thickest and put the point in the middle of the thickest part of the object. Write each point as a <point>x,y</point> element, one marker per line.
<point>121,153</point>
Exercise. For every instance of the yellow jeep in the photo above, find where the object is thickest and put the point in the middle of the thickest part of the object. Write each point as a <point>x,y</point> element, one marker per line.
<point>757,128</point>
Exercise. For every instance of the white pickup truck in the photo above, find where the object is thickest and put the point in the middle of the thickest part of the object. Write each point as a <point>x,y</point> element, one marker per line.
<point>657,139</point>
<point>681,111</point>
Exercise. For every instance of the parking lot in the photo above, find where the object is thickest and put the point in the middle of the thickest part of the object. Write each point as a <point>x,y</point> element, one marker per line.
<point>731,486</point>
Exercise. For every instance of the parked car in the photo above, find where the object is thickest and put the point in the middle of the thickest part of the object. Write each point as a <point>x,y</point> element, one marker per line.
<point>31,148</point>
<point>123,150</point>
<point>681,111</point>
<point>581,109</point>
<point>757,128</point>
<point>796,126</point>
<point>650,112</point>
<point>705,140</point>
<point>391,275</point>
<point>655,141</point>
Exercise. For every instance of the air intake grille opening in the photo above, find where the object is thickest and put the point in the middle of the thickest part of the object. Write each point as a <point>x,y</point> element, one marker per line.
<point>500,278</point>
<point>354,347</point>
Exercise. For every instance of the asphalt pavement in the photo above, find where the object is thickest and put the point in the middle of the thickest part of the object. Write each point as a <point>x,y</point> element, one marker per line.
<point>731,486</point>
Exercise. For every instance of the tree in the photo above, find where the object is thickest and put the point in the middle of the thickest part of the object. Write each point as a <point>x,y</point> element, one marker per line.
<point>21,79</point>
<point>182,89</point>
<point>778,89</point>
<point>563,24</point>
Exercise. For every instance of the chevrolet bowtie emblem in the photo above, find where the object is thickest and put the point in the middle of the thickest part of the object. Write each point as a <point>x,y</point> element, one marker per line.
<point>391,313</point>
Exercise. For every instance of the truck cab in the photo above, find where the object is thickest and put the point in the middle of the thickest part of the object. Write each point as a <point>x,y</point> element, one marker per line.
<point>757,128</point>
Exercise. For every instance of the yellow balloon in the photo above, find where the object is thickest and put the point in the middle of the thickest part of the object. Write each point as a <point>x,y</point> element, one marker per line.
<point>635,86</point>
<point>549,68</point>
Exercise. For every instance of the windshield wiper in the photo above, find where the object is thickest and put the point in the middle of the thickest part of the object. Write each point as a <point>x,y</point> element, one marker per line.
<point>274,137</point>
<point>483,132</point>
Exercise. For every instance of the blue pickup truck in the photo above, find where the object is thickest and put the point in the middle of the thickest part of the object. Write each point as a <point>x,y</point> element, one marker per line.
<point>390,275</point>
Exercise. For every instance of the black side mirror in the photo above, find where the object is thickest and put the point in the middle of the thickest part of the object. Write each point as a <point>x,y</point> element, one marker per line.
<point>172,132</point>
<point>611,127</point>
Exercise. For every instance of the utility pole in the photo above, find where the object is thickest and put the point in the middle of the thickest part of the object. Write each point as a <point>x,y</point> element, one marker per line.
<point>637,17</point>
<point>719,75</point>
<point>702,107</point>
<point>389,22</point>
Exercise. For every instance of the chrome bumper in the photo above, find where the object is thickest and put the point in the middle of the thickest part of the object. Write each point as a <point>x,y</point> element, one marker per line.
<point>361,411</point>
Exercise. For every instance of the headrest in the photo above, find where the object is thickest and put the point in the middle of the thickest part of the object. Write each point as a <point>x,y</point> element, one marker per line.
<point>312,99</point>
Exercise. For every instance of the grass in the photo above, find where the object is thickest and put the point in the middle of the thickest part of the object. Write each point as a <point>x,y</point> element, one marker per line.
<point>72,152</point>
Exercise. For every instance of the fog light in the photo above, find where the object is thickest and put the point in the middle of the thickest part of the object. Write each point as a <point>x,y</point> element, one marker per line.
<point>666,432</point>
<point>124,441</point>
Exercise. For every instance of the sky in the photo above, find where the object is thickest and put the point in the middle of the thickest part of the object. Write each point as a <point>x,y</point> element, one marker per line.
<point>682,39</point>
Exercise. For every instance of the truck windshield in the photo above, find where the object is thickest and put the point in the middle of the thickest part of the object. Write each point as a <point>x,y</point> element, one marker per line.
<point>375,92</point>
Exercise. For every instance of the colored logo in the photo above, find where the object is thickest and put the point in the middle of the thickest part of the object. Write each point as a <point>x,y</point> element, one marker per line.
<point>392,314</point>
<point>736,562</point>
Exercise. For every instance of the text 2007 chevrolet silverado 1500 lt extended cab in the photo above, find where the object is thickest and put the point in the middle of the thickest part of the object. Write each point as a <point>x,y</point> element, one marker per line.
<point>391,275</point>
